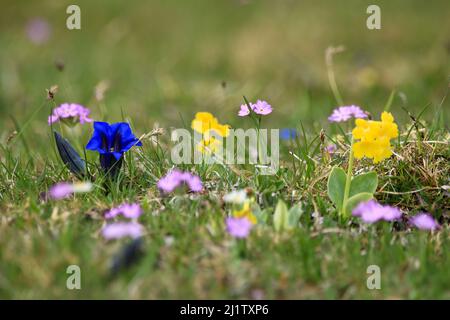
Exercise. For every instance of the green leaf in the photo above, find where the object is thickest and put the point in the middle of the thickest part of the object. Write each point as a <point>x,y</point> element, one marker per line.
<point>257,212</point>
<point>336,186</point>
<point>265,215</point>
<point>281,216</point>
<point>294,216</point>
<point>366,182</point>
<point>353,201</point>
<point>69,156</point>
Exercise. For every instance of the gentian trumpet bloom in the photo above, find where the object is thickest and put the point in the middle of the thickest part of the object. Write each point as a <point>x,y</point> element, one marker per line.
<point>111,141</point>
<point>70,156</point>
<point>288,134</point>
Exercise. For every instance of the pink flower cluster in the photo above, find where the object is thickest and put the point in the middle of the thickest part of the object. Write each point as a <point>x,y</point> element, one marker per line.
<point>123,229</point>
<point>64,190</point>
<point>260,107</point>
<point>70,111</point>
<point>346,112</point>
<point>371,211</point>
<point>238,227</point>
<point>424,221</point>
<point>330,149</point>
<point>128,210</point>
<point>38,30</point>
<point>61,190</point>
<point>177,178</point>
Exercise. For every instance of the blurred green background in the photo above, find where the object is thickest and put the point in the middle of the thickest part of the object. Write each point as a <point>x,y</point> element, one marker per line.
<point>166,60</point>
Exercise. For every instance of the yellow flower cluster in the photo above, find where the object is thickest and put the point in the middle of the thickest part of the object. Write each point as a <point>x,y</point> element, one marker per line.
<point>209,144</point>
<point>374,137</point>
<point>246,212</point>
<point>205,123</point>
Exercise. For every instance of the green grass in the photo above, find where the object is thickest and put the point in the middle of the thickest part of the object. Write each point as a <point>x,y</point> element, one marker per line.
<point>167,60</point>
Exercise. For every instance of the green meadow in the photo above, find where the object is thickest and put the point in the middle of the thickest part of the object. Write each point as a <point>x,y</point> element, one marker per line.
<point>155,64</point>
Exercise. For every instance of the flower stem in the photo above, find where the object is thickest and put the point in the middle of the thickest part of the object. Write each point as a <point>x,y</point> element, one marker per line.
<point>348,179</point>
<point>242,248</point>
<point>258,140</point>
<point>331,78</point>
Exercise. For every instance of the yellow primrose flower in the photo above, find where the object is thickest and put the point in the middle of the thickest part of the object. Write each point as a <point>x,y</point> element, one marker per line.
<point>209,145</point>
<point>222,129</point>
<point>245,212</point>
<point>205,121</point>
<point>374,137</point>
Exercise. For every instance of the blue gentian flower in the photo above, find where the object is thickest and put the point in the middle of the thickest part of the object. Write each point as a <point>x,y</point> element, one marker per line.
<point>288,134</point>
<point>111,141</point>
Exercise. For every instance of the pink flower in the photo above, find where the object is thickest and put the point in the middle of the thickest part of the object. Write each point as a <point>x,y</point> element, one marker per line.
<point>346,112</point>
<point>130,211</point>
<point>38,30</point>
<point>177,178</point>
<point>238,227</point>
<point>244,111</point>
<point>424,221</point>
<point>330,149</point>
<point>122,229</point>
<point>64,189</point>
<point>61,190</point>
<point>70,111</point>
<point>170,181</point>
<point>194,183</point>
<point>260,107</point>
<point>371,211</point>
<point>391,213</point>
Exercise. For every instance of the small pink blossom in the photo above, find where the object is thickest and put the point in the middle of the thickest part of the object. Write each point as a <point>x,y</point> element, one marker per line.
<point>38,30</point>
<point>122,229</point>
<point>177,178</point>
<point>194,183</point>
<point>424,221</point>
<point>346,112</point>
<point>64,189</point>
<point>371,211</point>
<point>70,111</point>
<point>61,190</point>
<point>128,210</point>
<point>244,111</point>
<point>331,149</point>
<point>260,107</point>
<point>238,227</point>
